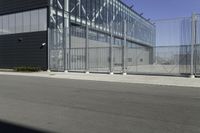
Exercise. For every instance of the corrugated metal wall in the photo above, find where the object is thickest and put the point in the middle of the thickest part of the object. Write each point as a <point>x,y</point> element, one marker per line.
<point>23,50</point>
<point>12,6</point>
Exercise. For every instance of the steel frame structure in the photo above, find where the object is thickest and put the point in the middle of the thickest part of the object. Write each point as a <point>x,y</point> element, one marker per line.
<point>109,17</point>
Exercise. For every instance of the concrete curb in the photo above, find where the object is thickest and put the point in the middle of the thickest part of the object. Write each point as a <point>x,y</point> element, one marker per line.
<point>138,79</point>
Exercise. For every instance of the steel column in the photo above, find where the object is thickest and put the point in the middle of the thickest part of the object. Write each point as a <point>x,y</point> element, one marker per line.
<point>111,48</point>
<point>193,42</point>
<point>86,50</point>
<point>48,44</point>
<point>124,50</point>
<point>70,45</point>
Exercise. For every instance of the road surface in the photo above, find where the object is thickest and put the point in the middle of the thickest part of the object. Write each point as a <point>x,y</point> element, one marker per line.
<point>74,106</point>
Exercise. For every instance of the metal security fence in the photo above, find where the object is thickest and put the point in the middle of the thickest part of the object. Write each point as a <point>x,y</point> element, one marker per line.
<point>177,50</point>
<point>56,51</point>
<point>167,60</point>
<point>197,59</point>
<point>77,59</point>
<point>117,61</point>
<point>99,59</point>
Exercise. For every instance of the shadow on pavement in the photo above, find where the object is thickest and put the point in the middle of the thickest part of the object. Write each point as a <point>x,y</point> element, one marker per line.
<point>6,127</point>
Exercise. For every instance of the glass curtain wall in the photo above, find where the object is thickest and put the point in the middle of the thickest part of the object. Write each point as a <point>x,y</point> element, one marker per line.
<point>100,14</point>
<point>28,21</point>
<point>69,20</point>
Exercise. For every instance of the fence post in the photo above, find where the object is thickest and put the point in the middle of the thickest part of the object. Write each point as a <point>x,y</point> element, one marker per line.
<point>86,50</point>
<point>49,36</point>
<point>124,50</point>
<point>67,51</point>
<point>70,46</point>
<point>64,49</point>
<point>111,48</point>
<point>192,74</point>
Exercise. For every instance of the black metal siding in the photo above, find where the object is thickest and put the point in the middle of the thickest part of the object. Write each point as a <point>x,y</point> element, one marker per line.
<point>23,50</point>
<point>12,6</point>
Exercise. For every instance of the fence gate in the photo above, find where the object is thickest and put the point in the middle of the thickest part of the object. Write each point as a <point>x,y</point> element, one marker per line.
<point>56,51</point>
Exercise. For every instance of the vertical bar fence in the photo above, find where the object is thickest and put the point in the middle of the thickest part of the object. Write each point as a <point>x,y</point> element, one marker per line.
<point>88,51</point>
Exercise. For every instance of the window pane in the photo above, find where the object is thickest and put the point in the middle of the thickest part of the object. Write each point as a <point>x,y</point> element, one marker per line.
<point>5,25</point>
<point>34,20</point>
<point>12,23</point>
<point>19,23</point>
<point>27,21</point>
<point>42,20</point>
<point>1,24</point>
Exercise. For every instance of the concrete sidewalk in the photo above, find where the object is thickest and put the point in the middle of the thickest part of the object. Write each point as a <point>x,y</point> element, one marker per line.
<point>139,79</point>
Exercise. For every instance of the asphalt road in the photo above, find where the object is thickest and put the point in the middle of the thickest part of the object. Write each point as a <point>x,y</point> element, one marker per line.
<point>73,106</point>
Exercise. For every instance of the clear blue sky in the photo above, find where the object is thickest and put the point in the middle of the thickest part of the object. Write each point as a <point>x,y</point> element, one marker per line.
<point>163,9</point>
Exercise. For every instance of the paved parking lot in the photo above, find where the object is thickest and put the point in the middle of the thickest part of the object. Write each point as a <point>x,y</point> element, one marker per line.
<point>78,106</point>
